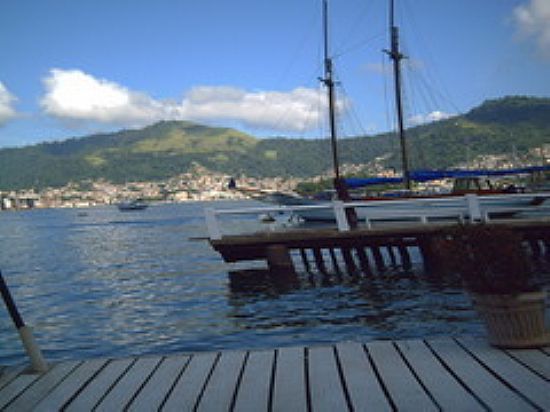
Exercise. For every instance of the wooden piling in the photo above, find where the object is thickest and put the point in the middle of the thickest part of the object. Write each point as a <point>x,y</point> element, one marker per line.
<point>391,254</point>
<point>536,248</point>
<point>348,260</point>
<point>305,261</point>
<point>319,261</point>
<point>363,260</point>
<point>378,258</point>
<point>279,260</point>
<point>405,256</point>
<point>335,262</point>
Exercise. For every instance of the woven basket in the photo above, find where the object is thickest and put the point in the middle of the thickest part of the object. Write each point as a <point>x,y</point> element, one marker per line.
<point>514,321</point>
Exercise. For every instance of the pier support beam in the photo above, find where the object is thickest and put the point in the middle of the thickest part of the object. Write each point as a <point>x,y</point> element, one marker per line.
<point>378,258</point>
<point>363,260</point>
<point>319,261</point>
<point>351,267</point>
<point>279,260</point>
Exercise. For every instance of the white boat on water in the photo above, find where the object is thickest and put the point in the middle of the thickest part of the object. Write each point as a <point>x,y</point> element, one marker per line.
<point>494,202</point>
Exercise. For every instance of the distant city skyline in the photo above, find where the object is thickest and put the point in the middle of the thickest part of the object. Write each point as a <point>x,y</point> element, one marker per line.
<point>72,68</point>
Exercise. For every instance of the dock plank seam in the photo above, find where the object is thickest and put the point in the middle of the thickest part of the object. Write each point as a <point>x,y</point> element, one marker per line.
<point>171,389</point>
<point>84,385</point>
<point>14,393</point>
<point>456,376</point>
<point>524,364</point>
<point>41,387</point>
<point>9,375</point>
<point>272,381</point>
<point>342,378</point>
<point>499,377</point>
<point>415,374</point>
<point>115,382</point>
<point>239,380</point>
<point>134,396</point>
<point>309,403</point>
<point>379,378</point>
<point>210,373</point>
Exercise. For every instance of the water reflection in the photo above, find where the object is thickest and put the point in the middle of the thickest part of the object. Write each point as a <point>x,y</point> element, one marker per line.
<point>397,303</point>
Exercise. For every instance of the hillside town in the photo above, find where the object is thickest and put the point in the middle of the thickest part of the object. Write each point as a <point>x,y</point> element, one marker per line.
<point>201,184</point>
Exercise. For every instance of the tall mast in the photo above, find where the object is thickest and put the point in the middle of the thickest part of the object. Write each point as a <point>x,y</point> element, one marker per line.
<point>396,57</point>
<point>329,83</point>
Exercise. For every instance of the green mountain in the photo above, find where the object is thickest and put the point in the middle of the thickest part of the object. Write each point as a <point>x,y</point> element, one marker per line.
<point>169,148</point>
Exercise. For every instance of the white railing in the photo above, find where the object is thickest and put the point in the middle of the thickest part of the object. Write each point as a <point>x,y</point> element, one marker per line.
<point>477,209</point>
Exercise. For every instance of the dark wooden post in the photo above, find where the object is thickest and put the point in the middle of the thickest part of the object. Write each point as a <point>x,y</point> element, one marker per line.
<point>378,258</point>
<point>279,260</point>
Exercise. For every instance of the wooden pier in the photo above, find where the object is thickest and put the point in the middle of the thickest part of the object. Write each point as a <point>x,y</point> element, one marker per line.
<point>361,250</point>
<point>434,374</point>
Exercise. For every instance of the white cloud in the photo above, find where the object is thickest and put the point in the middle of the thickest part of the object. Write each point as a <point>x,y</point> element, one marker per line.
<point>428,118</point>
<point>533,20</point>
<point>75,95</point>
<point>7,112</point>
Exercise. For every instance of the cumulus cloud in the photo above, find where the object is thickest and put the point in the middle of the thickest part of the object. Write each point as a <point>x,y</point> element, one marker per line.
<point>428,118</point>
<point>7,100</point>
<point>533,21</point>
<point>75,95</point>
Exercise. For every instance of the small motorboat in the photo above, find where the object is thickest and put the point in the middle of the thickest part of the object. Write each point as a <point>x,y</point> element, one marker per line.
<point>130,205</point>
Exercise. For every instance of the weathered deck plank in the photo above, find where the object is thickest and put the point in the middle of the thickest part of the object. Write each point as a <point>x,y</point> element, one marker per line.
<point>325,387</point>
<point>99,386</point>
<point>151,396</point>
<point>127,386</point>
<point>495,394</point>
<point>289,386</point>
<point>535,359</point>
<point>364,389</point>
<point>254,390</point>
<point>444,388</point>
<point>222,384</point>
<point>8,374</point>
<point>403,387</point>
<point>446,374</point>
<point>41,387</point>
<point>58,397</point>
<point>515,374</point>
<point>15,387</point>
<point>188,388</point>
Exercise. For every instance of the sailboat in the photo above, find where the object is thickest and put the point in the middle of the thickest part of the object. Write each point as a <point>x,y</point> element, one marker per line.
<point>466,181</point>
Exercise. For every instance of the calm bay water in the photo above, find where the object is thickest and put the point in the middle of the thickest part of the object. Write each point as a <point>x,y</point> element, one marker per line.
<point>98,282</point>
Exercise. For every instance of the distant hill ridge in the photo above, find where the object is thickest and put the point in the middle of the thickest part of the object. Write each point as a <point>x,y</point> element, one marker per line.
<point>169,148</point>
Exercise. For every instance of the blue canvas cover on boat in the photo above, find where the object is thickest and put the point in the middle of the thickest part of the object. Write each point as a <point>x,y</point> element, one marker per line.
<point>428,175</point>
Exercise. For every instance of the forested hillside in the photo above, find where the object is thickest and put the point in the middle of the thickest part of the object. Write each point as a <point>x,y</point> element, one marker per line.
<point>169,148</point>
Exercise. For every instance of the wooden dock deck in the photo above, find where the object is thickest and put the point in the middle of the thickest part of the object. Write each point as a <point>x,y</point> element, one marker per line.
<point>361,250</point>
<point>434,374</point>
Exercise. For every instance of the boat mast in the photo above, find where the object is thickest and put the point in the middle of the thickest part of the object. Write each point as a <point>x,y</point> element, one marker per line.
<point>329,83</point>
<point>396,57</point>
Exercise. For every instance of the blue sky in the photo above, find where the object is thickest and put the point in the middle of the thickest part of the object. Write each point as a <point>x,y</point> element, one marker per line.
<point>71,68</point>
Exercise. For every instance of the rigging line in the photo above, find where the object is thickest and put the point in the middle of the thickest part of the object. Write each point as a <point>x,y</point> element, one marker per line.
<point>353,113</point>
<point>311,83</point>
<point>298,50</point>
<point>357,45</point>
<point>428,101</point>
<point>431,68</point>
<point>352,28</point>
